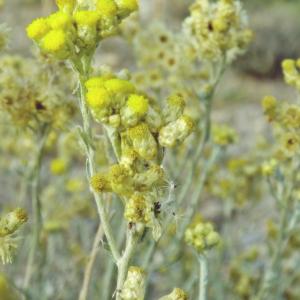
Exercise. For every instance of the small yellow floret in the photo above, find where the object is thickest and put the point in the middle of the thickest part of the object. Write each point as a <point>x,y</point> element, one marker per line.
<point>98,98</point>
<point>140,131</point>
<point>59,20</point>
<point>288,65</point>
<point>138,104</point>
<point>95,82</point>
<point>116,85</point>
<point>86,17</point>
<point>107,8</point>
<point>37,29</point>
<point>54,41</point>
<point>269,103</point>
<point>100,183</point>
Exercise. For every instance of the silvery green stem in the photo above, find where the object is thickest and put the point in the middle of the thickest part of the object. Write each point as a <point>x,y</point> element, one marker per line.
<point>123,262</point>
<point>203,277</point>
<point>91,165</point>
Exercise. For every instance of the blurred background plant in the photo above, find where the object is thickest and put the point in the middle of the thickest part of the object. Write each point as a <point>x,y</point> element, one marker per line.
<point>244,181</point>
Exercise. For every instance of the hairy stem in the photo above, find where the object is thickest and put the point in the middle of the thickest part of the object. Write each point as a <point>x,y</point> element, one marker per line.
<point>203,277</point>
<point>87,139</point>
<point>123,263</point>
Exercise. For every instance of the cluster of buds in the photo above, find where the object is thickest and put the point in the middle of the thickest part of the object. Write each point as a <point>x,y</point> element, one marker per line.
<point>218,29</point>
<point>79,26</point>
<point>177,294</point>
<point>9,224</point>
<point>141,130</point>
<point>291,72</point>
<point>134,286</point>
<point>285,116</point>
<point>202,236</point>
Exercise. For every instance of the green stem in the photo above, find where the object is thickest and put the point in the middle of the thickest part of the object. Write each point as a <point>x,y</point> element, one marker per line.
<point>87,138</point>
<point>203,277</point>
<point>36,207</point>
<point>123,263</point>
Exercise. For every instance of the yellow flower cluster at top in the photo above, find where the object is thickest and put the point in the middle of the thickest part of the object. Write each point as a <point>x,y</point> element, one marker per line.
<point>285,116</point>
<point>134,286</point>
<point>9,224</point>
<point>141,130</point>
<point>79,26</point>
<point>218,29</point>
<point>177,294</point>
<point>202,236</point>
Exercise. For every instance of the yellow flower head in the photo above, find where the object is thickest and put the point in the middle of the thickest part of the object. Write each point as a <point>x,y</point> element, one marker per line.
<point>100,183</point>
<point>121,86</point>
<point>118,173</point>
<point>107,8</point>
<point>269,103</point>
<point>138,104</point>
<point>137,210</point>
<point>177,294</point>
<point>139,132</point>
<point>54,41</point>
<point>12,221</point>
<point>288,65</point>
<point>87,18</point>
<point>98,98</point>
<point>38,28</point>
<point>59,20</point>
<point>58,166</point>
<point>95,82</point>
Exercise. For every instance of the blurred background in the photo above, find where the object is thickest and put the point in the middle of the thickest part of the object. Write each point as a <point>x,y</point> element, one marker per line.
<point>276,24</point>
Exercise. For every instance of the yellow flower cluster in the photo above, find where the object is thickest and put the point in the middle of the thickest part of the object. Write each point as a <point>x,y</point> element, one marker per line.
<point>291,72</point>
<point>9,224</point>
<point>219,30</point>
<point>202,236</point>
<point>76,29</point>
<point>134,286</point>
<point>177,294</point>
<point>284,116</point>
<point>31,96</point>
<point>141,129</point>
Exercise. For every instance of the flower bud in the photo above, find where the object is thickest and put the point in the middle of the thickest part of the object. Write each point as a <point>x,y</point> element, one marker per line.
<point>175,107</point>
<point>177,294</point>
<point>12,221</point>
<point>100,183</point>
<point>121,180</point>
<point>175,132</point>
<point>135,109</point>
<point>138,209</point>
<point>143,141</point>
<point>134,285</point>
